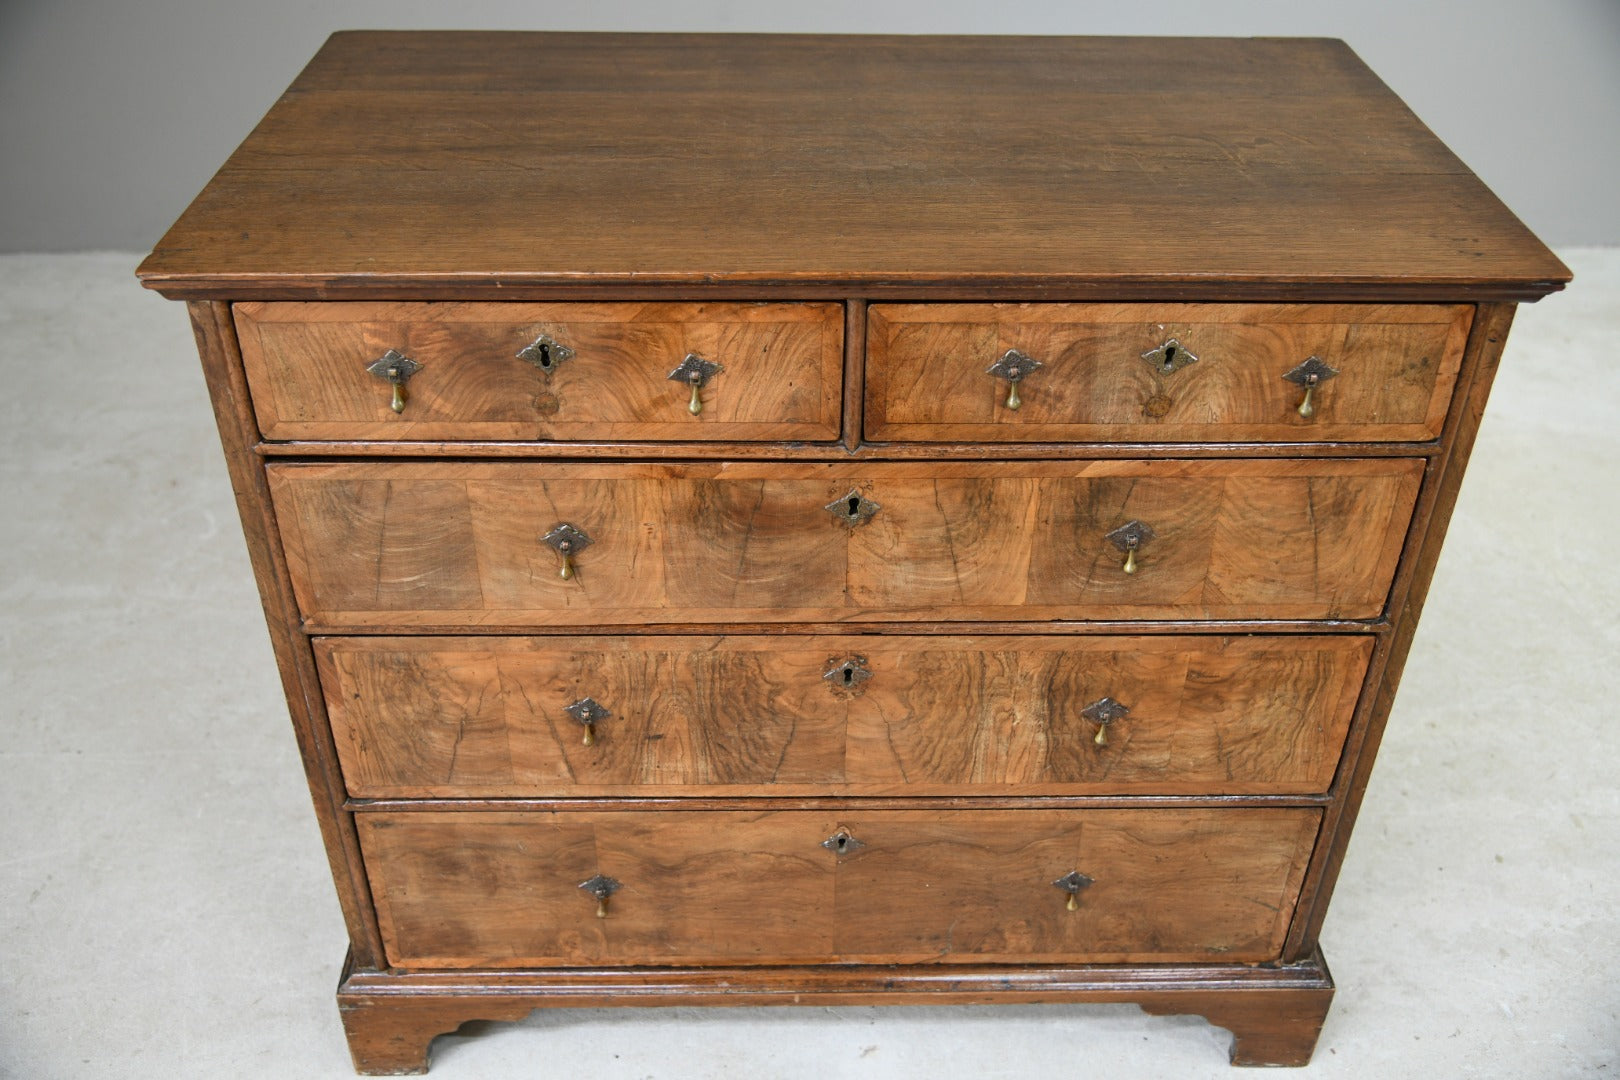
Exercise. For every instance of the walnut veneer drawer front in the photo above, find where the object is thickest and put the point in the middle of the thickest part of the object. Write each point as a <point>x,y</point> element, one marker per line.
<point>1161,372</point>
<point>477,889</point>
<point>806,716</point>
<point>544,371</point>
<point>462,545</point>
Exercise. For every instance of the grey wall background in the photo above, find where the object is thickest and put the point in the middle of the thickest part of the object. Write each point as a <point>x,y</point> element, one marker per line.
<point>114,113</point>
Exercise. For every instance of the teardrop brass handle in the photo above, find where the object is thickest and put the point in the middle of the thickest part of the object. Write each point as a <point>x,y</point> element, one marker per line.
<point>695,372</point>
<point>1014,366</point>
<point>588,712</point>
<point>1128,538</point>
<point>1310,374</point>
<point>567,541</point>
<point>395,368</point>
<point>1102,712</point>
<point>601,886</point>
<point>1072,883</point>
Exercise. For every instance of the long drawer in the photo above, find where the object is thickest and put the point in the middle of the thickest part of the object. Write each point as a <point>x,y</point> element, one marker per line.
<point>597,372</point>
<point>490,717</point>
<point>475,889</point>
<point>1161,372</point>
<point>465,545</point>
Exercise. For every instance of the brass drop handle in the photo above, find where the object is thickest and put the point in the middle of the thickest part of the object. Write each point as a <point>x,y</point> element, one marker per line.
<point>601,886</point>
<point>1310,374</point>
<point>1129,537</point>
<point>588,712</point>
<point>395,368</point>
<point>567,541</point>
<point>1102,712</point>
<point>1013,366</point>
<point>1072,883</point>
<point>695,372</point>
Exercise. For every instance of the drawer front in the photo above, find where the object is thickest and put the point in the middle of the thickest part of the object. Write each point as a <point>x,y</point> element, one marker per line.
<point>928,380</point>
<point>307,365</point>
<point>806,716</point>
<point>460,545</point>
<point>473,889</point>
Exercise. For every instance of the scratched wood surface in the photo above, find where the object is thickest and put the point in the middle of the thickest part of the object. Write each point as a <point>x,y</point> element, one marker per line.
<point>502,890</point>
<point>782,376</point>
<point>927,379</point>
<point>458,545</point>
<point>476,164</point>
<point>728,716</point>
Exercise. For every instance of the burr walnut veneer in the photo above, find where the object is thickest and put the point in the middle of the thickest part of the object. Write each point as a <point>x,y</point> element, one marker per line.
<point>808,519</point>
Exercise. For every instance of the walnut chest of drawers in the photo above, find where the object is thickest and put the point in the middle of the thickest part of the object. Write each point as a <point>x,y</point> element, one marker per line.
<point>812,519</point>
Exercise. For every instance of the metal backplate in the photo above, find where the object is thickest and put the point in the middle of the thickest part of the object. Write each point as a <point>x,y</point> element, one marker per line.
<point>567,540</point>
<point>1131,535</point>
<point>842,843</point>
<point>394,367</point>
<point>545,352</point>
<point>1072,882</point>
<point>853,509</point>
<point>1311,372</point>
<point>601,886</point>
<point>1014,366</point>
<point>1105,711</point>
<point>695,371</point>
<point>587,711</point>
<point>847,674</point>
<point>1170,357</point>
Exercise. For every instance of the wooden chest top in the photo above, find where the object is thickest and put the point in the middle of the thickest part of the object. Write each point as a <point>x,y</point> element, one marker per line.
<point>498,165</point>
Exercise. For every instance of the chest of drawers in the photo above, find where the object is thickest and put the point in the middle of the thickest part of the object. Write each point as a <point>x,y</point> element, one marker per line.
<point>778,520</point>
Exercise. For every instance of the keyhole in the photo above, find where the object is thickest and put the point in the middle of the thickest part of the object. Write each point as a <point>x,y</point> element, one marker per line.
<point>842,843</point>
<point>854,508</point>
<point>545,356</point>
<point>849,676</point>
<point>1169,358</point>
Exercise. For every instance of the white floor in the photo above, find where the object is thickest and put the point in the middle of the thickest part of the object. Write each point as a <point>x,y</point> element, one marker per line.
<point>165,909</point>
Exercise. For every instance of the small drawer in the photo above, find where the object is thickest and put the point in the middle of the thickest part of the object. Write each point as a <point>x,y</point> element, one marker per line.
<point>501,372</point>
<point>504,890</point>
<point>494,717</point>
<point>1161,372</point>
<point>457,546</point>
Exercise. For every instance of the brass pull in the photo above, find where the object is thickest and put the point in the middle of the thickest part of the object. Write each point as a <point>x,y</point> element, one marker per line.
<point>1072,883</point>
<point>841,843</point>
<point>395,368</point>
<point>1310,374</point>
<point>1102,712</point>
<point>601,886</point>
<point>568,542</point>
<point>696,373</point>
<point>588,712</point>
<point>1128,538</point>
<point>545,352</point>
<point>1170,357</point>
<point>1013,366</point>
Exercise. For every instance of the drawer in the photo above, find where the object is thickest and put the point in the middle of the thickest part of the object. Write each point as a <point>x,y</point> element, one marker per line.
<point>807,716</point>
<point>419,546</point>
<point>928,379</point>
<point>603,374</point>
<point>475,889</point>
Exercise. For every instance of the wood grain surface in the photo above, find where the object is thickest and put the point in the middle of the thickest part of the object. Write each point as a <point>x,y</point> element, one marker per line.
<point>781,380</point>
<point>723,716</point>
<point>476,164</point>
<point>502,890</point>
<point>928,381</point>
<point>440,544</point>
